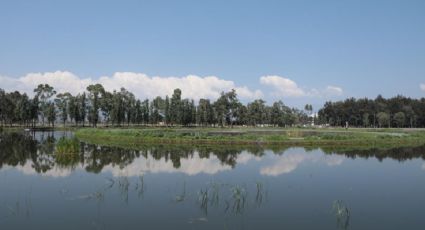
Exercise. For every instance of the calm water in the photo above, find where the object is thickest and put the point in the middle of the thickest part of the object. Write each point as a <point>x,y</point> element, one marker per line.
<point>224,187</point>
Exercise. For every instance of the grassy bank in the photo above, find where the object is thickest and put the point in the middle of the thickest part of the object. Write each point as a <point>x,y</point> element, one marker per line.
<point>253,136</point>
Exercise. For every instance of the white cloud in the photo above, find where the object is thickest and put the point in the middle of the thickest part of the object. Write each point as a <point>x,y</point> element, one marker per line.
<point>192,86</point>
<point>333,90</point>
<point>142,85</point>
<point>285,87</point>
<point>422,86</point>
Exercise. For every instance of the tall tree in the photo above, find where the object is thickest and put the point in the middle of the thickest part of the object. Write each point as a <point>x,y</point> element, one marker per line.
<point>95,92</point>
<point>62,103</point>
<point>44,93</point>
<point>176,107</point>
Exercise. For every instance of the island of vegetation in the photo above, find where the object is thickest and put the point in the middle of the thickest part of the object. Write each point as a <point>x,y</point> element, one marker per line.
<point>119,118</point>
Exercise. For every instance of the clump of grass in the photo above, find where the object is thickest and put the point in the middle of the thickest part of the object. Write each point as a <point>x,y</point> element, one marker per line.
<point>67,150</point>
<point>67,146</point>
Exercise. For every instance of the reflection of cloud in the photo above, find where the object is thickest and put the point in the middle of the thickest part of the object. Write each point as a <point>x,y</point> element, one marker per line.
<point>28,169</point>
<point>334,160</point>
<point>289,162</point>
<point>274,164</point>
<point>245,157</point>
<point>190,166</point>
<point>284,164</point>
<point>423,166</point>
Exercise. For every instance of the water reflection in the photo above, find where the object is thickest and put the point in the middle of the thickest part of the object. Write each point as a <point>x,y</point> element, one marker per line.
<point>205,187</point>
<point>38,154</point>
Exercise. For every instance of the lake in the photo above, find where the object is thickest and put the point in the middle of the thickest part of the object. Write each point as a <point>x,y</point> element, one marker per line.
<point>207,187</point>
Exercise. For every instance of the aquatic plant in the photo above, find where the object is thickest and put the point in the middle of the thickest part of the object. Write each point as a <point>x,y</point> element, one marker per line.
<point>215,191</point>
<point>67,146</point>
<point>140,188</point>
<point>259,194</point>
<point>124,184</point>
<point>238,198</point>
<point>182,196</point>
<point>342,214</point>
<point>203,199</point>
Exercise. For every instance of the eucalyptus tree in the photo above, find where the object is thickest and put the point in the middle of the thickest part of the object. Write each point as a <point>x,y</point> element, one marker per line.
<point>106,106</point>
<point>186,113</point>
<point>279,114</point>
<point>44,93</point>
<point>95,93</point>
<point>167,117</point>
<point>221,109</point>
<point>157,108</point>
<point>62,103</point>
<point>256,112</point>
<point>117,112</point>
<point>82,107</point>
<point>203,110</point>
<point>145,111</point>
<point>129,102</point>
<point>138,118</point>
<point>233,105</point>
<point>176,107</point>
<point>51,113</point>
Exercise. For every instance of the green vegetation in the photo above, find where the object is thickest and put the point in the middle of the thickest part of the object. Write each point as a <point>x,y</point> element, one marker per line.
<point>398,112</point>
<point>68,146</point>
<point>67,150</point>
<point>242,136</point>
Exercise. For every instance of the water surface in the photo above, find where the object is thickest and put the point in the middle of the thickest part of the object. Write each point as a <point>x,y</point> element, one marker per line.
<point>204,187</point>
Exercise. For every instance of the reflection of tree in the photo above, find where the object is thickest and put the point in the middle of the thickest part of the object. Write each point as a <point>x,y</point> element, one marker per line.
<point>18,148</point>
<point>399,154</point>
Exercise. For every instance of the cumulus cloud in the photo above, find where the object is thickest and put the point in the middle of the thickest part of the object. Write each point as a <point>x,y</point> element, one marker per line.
<point>192,86</point>
<point>285,87</point>
<point>422,86</point>
<point>142,85</point>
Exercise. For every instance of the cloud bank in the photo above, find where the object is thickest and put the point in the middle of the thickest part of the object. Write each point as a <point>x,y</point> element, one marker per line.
<point>144,86</point>
<point>422,86</point>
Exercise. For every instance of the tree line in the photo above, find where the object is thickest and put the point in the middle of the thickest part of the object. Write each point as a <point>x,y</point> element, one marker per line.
<point>397,111</point>
<point>117,108</point>
<point>99,106</point>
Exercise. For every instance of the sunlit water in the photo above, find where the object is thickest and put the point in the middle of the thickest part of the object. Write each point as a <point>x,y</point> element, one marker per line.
<point>195,187</point>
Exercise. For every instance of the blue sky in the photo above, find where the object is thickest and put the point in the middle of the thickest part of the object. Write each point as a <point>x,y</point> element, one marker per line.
<point>363,48</point>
